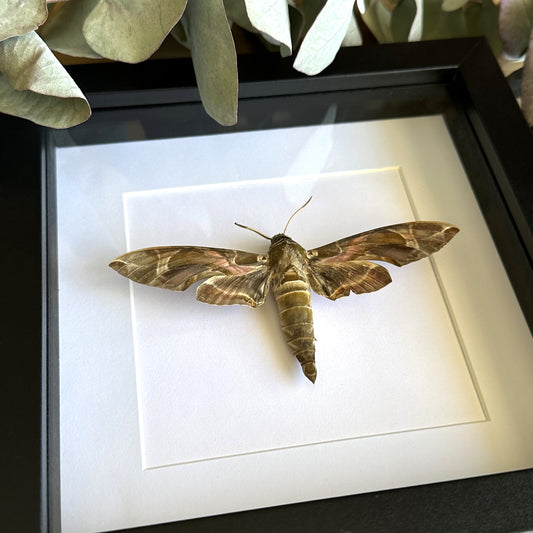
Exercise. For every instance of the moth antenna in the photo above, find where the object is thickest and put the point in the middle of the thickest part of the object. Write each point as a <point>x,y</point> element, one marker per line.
<point>254,230</point>
<point>297,211</point>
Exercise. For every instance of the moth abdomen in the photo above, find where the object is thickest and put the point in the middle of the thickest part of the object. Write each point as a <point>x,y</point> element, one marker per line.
<point>293,299</point>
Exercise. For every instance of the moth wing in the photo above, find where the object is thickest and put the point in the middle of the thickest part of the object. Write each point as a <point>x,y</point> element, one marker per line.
<point>178,267</point>
<point>334,280</point>
<point>245,289</point>
<point>398,244</point>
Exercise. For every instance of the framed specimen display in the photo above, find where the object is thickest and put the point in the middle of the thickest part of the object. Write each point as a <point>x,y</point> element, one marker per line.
<point>131,406</point>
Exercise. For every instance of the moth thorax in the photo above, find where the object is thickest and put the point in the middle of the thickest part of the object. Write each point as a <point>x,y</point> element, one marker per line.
<point>280,238</point>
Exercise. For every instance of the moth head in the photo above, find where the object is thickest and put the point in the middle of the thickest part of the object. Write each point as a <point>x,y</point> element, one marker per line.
<point>277,238</point>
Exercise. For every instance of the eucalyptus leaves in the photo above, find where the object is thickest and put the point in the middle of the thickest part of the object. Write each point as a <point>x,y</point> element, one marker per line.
<point>34,84</point>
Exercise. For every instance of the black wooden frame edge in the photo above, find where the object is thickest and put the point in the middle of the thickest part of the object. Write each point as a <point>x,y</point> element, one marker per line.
<point>109,85</point>
<point>26,481</point>
<point>24,442</point>
<point>482,80</point>
<point>513,174</point>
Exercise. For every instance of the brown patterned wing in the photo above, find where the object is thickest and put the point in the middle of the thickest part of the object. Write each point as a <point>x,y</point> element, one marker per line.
<point>334,280</point>
<point>178,267</point>
<point>398,244</point>
<point>245,289</point>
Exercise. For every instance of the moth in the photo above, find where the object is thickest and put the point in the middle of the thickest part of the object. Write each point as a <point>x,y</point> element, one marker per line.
<point>289,271</point>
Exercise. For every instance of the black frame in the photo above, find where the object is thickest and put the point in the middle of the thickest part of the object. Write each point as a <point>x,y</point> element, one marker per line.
<point>457,78</point>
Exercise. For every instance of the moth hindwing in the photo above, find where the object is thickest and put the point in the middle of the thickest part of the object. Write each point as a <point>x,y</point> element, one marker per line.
<point>334,270</point>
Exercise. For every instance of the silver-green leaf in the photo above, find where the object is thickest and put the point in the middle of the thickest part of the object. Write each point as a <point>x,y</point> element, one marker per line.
<point>378,19</point>
<point>415,34</point>
<point>63,30</point>
<point>236,12</point>
<point>271,19</point>
<point>35,86</point>
<point>18,17</point>
<point>206,31</point>
<point>527,84</point>
<point>324,38</point>
<point>353,35</point>
<point>515,22</point>
<point>452,5</point>
<point>131,31</point>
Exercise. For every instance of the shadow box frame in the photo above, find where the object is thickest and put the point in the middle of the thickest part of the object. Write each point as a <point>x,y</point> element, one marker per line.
<point>459,79</point>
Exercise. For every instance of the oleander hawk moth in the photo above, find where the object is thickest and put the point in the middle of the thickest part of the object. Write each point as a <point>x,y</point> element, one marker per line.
<point>333,270</point>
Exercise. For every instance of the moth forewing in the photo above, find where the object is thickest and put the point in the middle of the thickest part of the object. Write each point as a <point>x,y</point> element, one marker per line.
<point>178,267</point>
<point>398,244</point>
<point>333,270</point>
